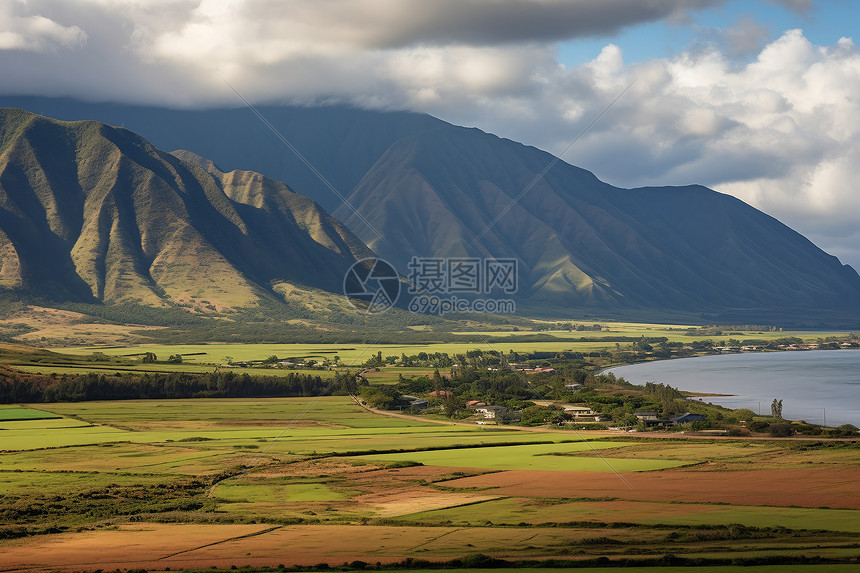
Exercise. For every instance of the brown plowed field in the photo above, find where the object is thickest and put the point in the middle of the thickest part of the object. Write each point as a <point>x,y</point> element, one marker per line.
<point>834,488</point>
<point>158,546</point>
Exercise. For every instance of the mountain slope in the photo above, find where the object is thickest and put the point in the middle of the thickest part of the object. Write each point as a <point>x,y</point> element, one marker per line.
<point>582,243</point>
<point>342,143</point>
<point>423,187</point>
<point>94,213</point>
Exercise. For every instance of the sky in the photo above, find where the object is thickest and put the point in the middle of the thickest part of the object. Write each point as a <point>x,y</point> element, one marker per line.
<point>759,99</point>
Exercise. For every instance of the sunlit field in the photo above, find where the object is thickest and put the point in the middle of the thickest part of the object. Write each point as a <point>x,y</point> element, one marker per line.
<point>261,482</point>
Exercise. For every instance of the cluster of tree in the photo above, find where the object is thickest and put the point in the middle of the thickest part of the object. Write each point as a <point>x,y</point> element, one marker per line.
<point>481,359</point>
<point>574,380</point>
<point>776,409</point>
<point>568,326</point>
<point>782,429</point>
<point>516,390</point>
<point>425,359</point>
<point>730,329</point>
<point>81,387</point>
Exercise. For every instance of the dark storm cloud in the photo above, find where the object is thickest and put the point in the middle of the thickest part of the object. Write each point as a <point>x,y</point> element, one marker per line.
<point>390,23</point>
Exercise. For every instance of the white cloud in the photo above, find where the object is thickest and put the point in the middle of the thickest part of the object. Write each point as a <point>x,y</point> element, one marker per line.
<point>20,30</point>
<point>780,130</point>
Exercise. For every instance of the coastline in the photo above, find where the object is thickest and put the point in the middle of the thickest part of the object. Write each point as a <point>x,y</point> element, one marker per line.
<point>825,394</point>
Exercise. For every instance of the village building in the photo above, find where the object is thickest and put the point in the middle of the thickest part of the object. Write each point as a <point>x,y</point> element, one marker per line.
<point>440,393</point>
<point>686,418</point>
<point>492,412</point>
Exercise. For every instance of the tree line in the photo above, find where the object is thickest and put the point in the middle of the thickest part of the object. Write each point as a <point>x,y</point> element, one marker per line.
<point>129,386</point>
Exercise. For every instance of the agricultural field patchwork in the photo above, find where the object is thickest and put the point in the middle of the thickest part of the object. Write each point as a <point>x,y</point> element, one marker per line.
<point>260,482</point>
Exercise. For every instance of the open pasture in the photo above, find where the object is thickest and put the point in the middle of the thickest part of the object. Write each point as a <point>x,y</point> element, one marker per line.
<point>674,332</point>
<point>548,511</point>
<point>349,355</point>
<point>834,487</point>
<point>177,546</point>
<point>15,413</point>
<point>184,458</point>
<point>178,483</point>
<point>550,457</point>
<point>391,374</point>
<point>354,354</point>
<point>274,426</point>
<point>202,358</point>
<point>738,455</point>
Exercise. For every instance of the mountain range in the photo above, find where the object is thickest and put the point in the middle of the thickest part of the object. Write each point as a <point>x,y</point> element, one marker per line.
<point>93,213</point>
<point>404,184</point>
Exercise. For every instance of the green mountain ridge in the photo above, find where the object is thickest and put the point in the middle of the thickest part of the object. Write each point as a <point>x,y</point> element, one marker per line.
<point>92,213</point>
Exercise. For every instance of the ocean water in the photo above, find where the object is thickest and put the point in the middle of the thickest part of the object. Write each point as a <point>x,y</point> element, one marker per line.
<point>817,386</point>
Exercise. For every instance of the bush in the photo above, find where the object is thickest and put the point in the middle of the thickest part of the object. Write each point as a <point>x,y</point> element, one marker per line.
<point>847,430</point>
<point>744,414</point>
<point>758,426</point>
<point>781,430</point>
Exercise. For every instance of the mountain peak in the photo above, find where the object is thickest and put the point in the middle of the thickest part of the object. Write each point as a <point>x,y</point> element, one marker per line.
<point>95,213</point>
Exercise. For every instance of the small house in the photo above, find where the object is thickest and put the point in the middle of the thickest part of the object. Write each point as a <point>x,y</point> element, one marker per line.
<point>492,412</point>
<point>415,401</point>
<point>650,418</point>
<point>579,411</point>
<point>687,417</point>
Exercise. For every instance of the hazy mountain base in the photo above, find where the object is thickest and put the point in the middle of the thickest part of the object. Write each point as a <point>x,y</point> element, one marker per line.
<point>304,314</point>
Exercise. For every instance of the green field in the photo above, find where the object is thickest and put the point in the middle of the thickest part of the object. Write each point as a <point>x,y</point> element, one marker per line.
<point>311,471</point>
<point>202,358</point>
<point>674,332</point>
<point>281,425</point>
<point>17,413</point>
<point>277,493</point>
<point>355,354</point>
<point>550,457</point>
